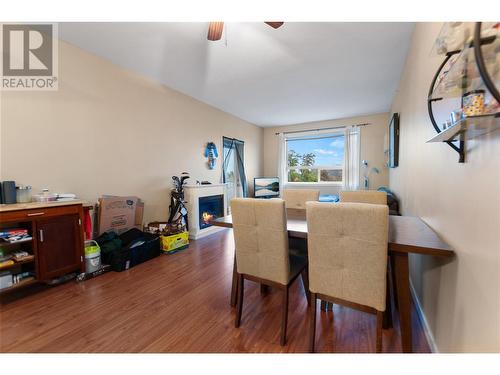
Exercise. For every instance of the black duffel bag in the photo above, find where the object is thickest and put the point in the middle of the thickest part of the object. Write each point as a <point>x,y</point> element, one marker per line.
<point>138,247</point>
<point>110,243</point>
<point>128,249</point>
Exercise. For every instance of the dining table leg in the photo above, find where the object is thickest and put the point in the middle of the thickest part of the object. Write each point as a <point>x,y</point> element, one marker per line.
<point>402,284</point>
<point>393,279</point>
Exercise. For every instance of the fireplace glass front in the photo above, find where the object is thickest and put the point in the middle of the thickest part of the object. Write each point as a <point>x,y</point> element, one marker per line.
<point>210,208</point>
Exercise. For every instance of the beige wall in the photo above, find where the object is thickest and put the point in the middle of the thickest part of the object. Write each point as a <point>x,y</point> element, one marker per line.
<point>460,298</point>
<point>110,131</point>
<point>372,146</point>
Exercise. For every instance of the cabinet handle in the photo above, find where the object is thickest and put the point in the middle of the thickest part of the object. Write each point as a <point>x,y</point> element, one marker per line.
<point>41,235</point>
<point>36,214</point>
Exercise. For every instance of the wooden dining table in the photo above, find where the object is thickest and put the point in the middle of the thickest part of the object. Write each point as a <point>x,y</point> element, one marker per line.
<point>407,235</point>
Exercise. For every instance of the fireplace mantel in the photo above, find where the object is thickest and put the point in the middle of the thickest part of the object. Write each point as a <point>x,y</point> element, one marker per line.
<point>203,186</point>
<point>192,193</point>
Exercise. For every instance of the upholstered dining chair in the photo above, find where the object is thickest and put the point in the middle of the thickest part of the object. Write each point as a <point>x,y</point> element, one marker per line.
<point>297,198</point>
<point>359,196</point>
<point>347,244</point>
<point>372,197</point>
<point>363,196</point>
<point>262,252</point>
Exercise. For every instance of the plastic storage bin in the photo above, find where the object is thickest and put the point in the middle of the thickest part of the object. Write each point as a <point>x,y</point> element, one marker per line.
<point>175,242</point>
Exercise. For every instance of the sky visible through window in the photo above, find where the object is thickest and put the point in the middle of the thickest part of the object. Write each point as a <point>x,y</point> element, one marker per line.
<point>327,151</point>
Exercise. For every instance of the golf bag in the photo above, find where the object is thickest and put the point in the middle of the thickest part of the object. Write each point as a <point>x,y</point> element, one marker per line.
<point>178,216</point>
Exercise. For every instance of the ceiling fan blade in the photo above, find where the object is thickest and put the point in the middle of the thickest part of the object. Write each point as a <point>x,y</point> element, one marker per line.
<point>274,25</point>
<point>215,30</point>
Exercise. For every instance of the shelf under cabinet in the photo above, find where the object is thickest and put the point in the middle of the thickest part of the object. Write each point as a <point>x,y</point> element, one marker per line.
<point>11,244</point>
<point>25,282</point>
<point>16,263</point>
<point>469,128</point>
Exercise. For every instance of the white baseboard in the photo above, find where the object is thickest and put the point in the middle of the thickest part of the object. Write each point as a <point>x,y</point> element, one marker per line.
<point>421,316</point>
<point>200,233</point>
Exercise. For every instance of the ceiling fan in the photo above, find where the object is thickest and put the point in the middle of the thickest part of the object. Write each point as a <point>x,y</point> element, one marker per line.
<point>215,29</point>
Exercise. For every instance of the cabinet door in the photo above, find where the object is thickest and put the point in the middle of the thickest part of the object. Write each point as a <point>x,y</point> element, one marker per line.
<point>59,246</point>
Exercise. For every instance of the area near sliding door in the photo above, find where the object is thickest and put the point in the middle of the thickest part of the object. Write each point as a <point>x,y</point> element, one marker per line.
<point>233,169</point>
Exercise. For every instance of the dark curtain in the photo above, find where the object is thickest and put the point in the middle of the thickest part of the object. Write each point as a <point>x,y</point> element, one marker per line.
<point>236,146</point>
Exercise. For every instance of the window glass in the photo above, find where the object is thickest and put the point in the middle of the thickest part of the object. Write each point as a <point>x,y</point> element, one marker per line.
<point>315,159</point>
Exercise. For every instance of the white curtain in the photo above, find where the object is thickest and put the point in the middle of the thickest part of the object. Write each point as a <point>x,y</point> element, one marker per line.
<point>282,161</point>
<point>351,158</point>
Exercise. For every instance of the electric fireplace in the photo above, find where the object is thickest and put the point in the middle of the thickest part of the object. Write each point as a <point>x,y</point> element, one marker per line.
<point>201,203</point>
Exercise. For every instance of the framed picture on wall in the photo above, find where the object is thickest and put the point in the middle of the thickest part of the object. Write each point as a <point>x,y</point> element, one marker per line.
<point>394,141</point>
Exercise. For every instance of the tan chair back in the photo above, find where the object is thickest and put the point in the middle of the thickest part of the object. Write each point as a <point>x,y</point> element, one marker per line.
<point>347,244</point>
<point>261,238</point>
<point>297,198</point>
<point>364,196</point>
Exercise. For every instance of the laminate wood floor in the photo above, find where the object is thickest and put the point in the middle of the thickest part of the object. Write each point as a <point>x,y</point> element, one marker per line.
<point>179,303</point>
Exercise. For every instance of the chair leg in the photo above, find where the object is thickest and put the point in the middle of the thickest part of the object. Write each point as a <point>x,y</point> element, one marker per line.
<point>284,316</point>
<point>312,327</point>
<point>380,319</point>
<point>239,308</point>
<point>388,306</point>
<point>234,286</point>
<point>325,306</point>
<point>305,282</point>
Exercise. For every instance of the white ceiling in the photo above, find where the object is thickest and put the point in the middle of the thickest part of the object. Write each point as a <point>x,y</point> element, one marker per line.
<point>300,72</point>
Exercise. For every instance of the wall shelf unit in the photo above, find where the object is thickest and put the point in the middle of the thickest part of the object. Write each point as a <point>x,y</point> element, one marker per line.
<point>468,128</point>
<point>462,74</point>
<point>471,63</point>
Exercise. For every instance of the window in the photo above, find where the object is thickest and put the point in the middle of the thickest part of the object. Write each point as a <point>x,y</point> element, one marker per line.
<point>321,157</point>
<point>315,158</point>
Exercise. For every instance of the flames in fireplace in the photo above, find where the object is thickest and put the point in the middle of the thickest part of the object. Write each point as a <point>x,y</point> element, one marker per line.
<point>206,217</point>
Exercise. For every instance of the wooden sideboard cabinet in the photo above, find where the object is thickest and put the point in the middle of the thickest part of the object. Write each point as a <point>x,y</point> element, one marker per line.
<point>57,238</point>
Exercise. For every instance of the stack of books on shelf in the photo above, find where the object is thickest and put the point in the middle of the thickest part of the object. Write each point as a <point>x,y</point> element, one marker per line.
<point>14,235</point>
<point>8,259</point>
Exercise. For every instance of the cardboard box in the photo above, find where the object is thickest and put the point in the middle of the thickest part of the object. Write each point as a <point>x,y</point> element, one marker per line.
<point>120,214</point>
